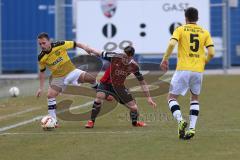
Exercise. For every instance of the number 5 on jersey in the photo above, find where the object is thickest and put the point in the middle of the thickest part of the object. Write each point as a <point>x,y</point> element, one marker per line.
<point>195,42</point>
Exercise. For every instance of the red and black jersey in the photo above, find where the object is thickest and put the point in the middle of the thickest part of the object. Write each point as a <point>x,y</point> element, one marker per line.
<point>121,67</point>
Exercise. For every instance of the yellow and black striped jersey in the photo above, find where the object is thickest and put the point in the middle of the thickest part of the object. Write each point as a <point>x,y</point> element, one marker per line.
<point>192,40</point>
<point>57,60</point>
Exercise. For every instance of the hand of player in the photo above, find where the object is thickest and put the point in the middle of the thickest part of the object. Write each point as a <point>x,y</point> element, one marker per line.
<point>39,92</point>
<point>164,65</point>
<point>151,102</point>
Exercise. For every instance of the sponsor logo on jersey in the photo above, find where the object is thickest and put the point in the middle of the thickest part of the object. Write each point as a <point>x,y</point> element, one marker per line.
<point>57,61</point>
<point>57,52</point>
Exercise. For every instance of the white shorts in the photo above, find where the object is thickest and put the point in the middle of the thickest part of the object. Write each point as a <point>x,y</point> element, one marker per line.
<point>184,80</point>
<point>70,78</point>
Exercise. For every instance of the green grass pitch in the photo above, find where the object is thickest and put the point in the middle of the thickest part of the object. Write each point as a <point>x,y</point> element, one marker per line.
<point>217,135</point>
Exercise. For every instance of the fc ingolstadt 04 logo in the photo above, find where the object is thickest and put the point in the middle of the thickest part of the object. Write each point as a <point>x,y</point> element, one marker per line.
<point>109,7</point>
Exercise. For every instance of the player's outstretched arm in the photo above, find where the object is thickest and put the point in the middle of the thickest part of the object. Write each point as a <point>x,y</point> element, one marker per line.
<point>164,63</point>
<point>88,49</point>
<point>41,80</point>
<point>95,52</point>
<point>83,46</point>
<point>145,89</point>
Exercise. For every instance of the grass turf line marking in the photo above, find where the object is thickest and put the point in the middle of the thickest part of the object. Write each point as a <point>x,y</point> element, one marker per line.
<point>104,132</point>
<point>2,129</point>
<point>74,133</point>
<point>19,113</point>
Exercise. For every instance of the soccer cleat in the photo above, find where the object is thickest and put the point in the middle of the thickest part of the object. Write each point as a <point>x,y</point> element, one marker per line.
<point>140,124</point>
<point>90,124</point>
<point>182,125</point>
<point>189,134</point>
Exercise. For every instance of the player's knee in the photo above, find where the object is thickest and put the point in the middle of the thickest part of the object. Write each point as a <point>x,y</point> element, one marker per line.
<point>100,96</point>
<point>194,98</point>
<point>98,100</point>
<point>52,94</point>
<point>133,108</point>
<point>49,95</point>
<point>168,97</point>
<point>171,97</point>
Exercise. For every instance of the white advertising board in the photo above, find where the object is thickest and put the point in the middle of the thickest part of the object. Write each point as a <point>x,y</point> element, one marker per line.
<point>146,23</point>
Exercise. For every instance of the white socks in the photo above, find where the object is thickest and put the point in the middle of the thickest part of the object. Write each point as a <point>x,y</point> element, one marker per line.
<point>175,109</point>
<point>193,115</point>
<point>52,107</point>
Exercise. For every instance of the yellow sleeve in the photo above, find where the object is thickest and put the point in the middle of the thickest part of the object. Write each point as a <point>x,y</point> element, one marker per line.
<point>211,53</point>
<point>69,44</point>
<point>41,62</point>
<point>42,66</point>
<point>209,41</point>
<point>170,48</point>
<point>176,34</point>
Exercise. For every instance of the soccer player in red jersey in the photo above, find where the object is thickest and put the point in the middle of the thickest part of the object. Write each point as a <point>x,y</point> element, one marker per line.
<point>112,83</point>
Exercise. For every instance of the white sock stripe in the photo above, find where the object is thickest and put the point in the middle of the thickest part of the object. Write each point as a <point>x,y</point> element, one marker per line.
<point>171,100</point>
<point>194,107</point>
<point>194,102</point>
<point>173,103</point>
<point>52,101</point>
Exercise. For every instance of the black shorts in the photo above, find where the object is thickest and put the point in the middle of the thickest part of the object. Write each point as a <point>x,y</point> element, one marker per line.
<point>121,94</point>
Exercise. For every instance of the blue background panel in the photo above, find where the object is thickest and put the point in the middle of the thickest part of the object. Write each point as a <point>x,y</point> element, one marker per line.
<point>21,22</point>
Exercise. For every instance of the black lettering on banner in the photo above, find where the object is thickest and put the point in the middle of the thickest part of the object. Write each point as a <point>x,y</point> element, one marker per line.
<point>109,30</point>
<point>111,46</point>
<point>174,6</point>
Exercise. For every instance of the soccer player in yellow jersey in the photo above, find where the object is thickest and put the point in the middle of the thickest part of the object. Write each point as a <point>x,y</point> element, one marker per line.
<point>54,56</point>
<point>192,40</point>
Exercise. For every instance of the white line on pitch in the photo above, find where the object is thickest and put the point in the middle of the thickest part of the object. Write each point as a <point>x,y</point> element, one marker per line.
<point>20,112</point>
<point>37,118</point>
<point>73,133</point>
<point>104,132</point>
<point>20,123</point>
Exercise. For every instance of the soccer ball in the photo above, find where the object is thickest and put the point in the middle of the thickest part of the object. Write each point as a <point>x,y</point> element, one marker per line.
<point>14,91</point>
<point>48,123</point>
